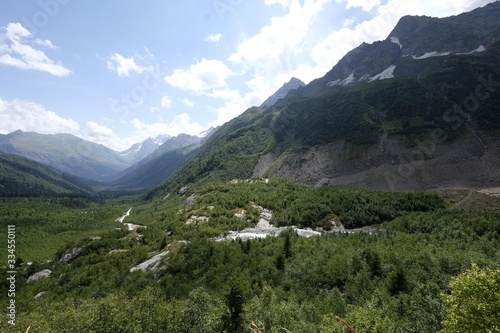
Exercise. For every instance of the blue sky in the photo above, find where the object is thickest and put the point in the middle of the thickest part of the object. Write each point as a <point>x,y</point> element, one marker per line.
<point>116,72</point>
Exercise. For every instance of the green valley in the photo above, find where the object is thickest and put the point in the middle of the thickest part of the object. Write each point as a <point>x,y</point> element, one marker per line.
<point>366,201</point>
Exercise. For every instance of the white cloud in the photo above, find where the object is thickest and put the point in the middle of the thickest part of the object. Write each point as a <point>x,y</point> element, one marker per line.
<point>348,22</point>
<point>180,124</point>
<point>45,43</point>
<point>32,117</point>
<point>148,53</point>
<point>18,49</point>
<point>165,102</point>
<point>273,56</point>
<point>188,102</point>
<point>154,109</point>
<point>214,38</point>
<point>100,134</point>
<point>202,76</point>
<point>123,66</point>
<point>366,5</point>
<point>283,3</point>
<point>226,94</point>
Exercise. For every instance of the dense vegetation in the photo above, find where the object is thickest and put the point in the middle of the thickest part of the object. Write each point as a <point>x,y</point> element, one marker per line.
<point>21,177</point>
<point>45,225</point>
<point>406,277</point>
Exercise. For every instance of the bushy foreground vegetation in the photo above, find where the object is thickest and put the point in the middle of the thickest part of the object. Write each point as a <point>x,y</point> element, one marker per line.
<point>407,277</point>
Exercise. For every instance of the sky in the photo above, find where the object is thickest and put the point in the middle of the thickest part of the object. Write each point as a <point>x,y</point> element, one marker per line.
<point>117,72</point>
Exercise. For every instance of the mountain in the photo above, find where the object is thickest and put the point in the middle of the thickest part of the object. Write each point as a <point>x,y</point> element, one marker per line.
<point>159,165</point>
<point>22,177</point>
<point>152,172</point>
<point>65,152</point>
<point>386,116</point>
<point>206,134</point>
<point>416,38</point>
<point>143,149</point>
<point>293,84</point>
<point>140,150</point>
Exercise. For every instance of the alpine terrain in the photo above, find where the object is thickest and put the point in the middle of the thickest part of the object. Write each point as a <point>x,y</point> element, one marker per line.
<point>367,200</point>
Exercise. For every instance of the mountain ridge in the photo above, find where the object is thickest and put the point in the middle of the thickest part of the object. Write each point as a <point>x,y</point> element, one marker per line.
<point>22,177</point>
<point>293,84</point>
<point>405,106</point>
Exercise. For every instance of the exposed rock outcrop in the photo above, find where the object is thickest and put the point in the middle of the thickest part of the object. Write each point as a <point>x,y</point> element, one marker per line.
<point>40,275</point>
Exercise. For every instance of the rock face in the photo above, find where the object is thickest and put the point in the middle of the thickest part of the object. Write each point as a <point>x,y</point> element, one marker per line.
<point>264,229</point>
<point>71,254</point>
<point>151,265</point>
<point>413,39</point>
<point>294,83</point>
<point>40,275</point>
<point>391,166</point>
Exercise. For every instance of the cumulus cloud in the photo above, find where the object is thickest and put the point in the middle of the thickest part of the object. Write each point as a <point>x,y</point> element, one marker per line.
<point>214,38</point>
<point>283,3</point>
<point>202,76</point>
<point>270,57</point>
<point>19,49</point>
<point>181,123</point>
<point>366,5</point>
<point>123,66</point>
<point>188,102</point>
<point>32,117</point>
<point>348,22</point>
<point>100,134</point>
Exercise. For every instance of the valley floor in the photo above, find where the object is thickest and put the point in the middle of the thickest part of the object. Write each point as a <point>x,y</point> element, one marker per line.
<point>199,261</point>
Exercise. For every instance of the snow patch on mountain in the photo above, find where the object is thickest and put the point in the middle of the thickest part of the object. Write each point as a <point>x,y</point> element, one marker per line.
<point>333,83</point>
<point>479,49</point>
<point>395,40</point>
<point>431,54</point>
<point>347,80</point>
<point>388,73</point>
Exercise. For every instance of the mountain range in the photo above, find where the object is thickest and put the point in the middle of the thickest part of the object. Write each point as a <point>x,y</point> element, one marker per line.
<point>417,110</point>
<point>86,159</point>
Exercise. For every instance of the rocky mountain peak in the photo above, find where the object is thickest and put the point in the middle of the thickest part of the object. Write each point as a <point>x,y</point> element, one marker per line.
<point>293,84</point>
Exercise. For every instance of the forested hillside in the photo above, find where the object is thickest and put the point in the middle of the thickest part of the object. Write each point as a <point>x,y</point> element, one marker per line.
<point>394,277</point>
<point>21,177</point>
<point>367,201</point>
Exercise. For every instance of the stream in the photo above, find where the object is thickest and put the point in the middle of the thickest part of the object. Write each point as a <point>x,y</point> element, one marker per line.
<point>130,226</point>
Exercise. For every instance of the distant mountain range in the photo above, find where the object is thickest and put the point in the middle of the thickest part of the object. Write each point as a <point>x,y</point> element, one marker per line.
<point>160,164</point>
<point>86,159</point>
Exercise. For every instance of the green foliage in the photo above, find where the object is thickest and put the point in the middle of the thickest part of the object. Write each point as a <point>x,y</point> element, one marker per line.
<point>389,281</point>
<point>21,177</point>
<point>45,225</point>
<point>305,206</point>
<point>474,302</point>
